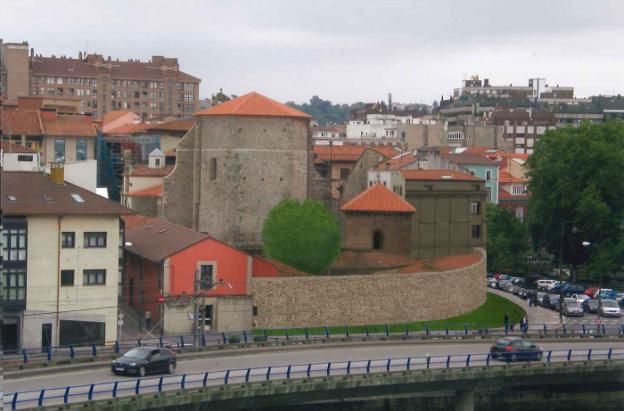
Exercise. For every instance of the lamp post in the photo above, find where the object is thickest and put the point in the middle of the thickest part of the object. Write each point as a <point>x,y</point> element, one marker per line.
<point>561,273</point>
<point>200,291</point>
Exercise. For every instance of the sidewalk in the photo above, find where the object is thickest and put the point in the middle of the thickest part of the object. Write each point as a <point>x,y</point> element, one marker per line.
<point>535,314</point>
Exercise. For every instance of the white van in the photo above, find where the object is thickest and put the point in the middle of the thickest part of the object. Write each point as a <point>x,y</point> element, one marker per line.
<point>546,284</point>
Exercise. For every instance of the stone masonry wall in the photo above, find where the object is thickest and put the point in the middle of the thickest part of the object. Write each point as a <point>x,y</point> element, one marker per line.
<point>367,299</point>
<point>358,229</point>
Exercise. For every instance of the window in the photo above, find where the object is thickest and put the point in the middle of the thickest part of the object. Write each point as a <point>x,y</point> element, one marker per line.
<point>67,278</point>
<point>254,311</point>
<point>476,231</point>
<point>94,240</point>
<point>212,172</point>
<point>344,173</point>
<point>157,161</point>
<point>475,208</point>
<point>68,239</point>
<point>14,284</point>
<point>488,175</point>
<point>59,150</point>
<point>81,149</point>
<point>25,157</point>
<point>14,244</point>
<point>93,277</point>
<point>206,279</point>
<point>518,190</point>
<point>81,332</point>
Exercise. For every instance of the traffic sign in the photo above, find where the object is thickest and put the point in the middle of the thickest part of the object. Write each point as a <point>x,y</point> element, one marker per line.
<point>161,299</point>
<point>120,316</point>
<point>120,322</point>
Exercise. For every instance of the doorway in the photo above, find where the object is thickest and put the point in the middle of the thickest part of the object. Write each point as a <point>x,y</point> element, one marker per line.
<point>46,335</point>
<point>377,240</point>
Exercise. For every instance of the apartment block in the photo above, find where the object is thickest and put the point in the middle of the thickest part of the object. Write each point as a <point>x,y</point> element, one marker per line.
<point>154,89</point>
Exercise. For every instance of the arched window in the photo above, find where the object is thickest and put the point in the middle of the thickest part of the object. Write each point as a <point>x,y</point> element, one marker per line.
<point>377,240</point>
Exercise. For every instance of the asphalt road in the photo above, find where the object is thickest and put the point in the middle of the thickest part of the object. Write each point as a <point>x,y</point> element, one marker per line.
<point>284,358</point>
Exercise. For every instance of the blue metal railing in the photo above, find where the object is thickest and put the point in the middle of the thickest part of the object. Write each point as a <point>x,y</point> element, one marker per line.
<point>186,341</point>
<point>115,389</point>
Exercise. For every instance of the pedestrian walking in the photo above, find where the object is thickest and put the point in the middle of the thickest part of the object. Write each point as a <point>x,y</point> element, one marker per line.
<point>148,319</point>
<point>506,321</point>
<point>525,324</point>
<point>529,301</point>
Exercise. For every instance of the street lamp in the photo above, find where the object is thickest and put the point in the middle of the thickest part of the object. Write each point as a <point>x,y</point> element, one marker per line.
<point>203,288</point>
<point>561,273</point>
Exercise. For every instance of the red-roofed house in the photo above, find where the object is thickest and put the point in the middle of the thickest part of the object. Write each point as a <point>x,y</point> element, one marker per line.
<point>143,188</point>
<point>377,219</point>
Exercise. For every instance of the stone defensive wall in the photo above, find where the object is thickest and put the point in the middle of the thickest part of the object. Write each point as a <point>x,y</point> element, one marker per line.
<point>397,296</point>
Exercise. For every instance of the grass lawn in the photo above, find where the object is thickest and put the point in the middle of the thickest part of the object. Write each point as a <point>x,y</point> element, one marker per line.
<point>490,315</point>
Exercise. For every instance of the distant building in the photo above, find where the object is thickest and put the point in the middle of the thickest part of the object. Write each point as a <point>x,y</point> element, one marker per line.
<point>333,132</point>
<point>14,157</point>
<point>523,127</point>
<point>153,89</point>
<point>60,262</point>
<point>143,188</point>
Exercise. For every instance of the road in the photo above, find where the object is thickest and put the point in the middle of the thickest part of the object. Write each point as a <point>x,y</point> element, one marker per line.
<point>284,358</point>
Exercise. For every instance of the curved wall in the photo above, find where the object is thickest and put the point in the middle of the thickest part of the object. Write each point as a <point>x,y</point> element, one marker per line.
<point>384,298</point>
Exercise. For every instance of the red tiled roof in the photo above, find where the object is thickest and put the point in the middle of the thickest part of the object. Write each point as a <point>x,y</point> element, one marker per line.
<point>33,193</point>
<point>378,198</point>
<point>21,122</point>
<point>505,177</point>
<point>9,147</point>
<point>143,170</point>
<point>437,175</point>
<point>114,115</point>
<point>469,158</point>
<point>138,128</point>
<point>253,104</point>
<point>348,152</point>
<point>116,69</point>
<point>67,125</point>
<point>171,153</point>
<point>175,125</point>
<point>156,191</point>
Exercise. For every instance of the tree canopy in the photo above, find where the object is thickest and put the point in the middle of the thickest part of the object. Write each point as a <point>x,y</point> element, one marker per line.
<point>577,194</point>
<point>324,111</point>
<point>304,235</point>
<point>507,240</point>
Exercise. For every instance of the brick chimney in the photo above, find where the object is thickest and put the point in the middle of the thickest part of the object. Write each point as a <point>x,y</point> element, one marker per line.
<point>57,173</point>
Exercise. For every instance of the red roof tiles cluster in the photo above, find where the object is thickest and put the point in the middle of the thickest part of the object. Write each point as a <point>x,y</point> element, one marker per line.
<point>137,128</point>
<point>143,170</point>
<point>378,198</point>
<point>254,105</point>
<point>114,115</point>
<point>175,125</point>
<point>348,152</point>
<point>36,123</point>
<point>397,163</point>
<point>438,175</point>
<point>505,177</point>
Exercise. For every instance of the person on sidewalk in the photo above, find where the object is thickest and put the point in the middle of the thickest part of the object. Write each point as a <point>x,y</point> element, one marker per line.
<point>525,324</point>
<point>148,320</point>
<point>529,301</point>
<point>506,321</point>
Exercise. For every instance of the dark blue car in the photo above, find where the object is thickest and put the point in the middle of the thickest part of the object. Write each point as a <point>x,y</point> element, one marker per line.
<point>515,349</point>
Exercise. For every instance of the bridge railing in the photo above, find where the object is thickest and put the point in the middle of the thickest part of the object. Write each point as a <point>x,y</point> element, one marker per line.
<point>121,388</point>
<point>187,341</point>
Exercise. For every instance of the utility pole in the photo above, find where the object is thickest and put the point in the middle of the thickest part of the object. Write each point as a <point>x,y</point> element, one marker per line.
<point>197,287</point>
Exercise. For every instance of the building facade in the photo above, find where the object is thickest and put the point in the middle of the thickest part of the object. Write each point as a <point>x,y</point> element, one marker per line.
<point>153,89</point>
<point>61,252</point>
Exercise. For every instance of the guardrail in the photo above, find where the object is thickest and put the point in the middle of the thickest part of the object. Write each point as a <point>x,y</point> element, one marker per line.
<point>186,341</point>
<point>114,389</point>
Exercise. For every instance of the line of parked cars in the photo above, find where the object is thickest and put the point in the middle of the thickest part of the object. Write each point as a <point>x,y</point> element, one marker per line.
<point>545,292</point>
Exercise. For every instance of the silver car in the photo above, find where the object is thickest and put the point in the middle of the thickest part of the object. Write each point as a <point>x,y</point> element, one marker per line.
<point>572,308</point>
<point>609,308</point>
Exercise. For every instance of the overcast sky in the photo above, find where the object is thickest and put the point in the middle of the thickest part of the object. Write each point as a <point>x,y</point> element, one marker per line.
<point>344,51</point>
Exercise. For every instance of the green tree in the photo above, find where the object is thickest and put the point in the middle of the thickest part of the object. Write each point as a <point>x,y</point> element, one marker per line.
<point>577,194</point>
<point>303,235</point>
<point>507,240</point>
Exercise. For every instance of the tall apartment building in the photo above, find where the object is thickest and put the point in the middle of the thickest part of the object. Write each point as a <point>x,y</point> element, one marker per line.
<point>154,89</point>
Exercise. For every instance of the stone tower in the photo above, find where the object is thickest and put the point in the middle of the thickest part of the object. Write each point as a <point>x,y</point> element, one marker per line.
<point>242,158</point>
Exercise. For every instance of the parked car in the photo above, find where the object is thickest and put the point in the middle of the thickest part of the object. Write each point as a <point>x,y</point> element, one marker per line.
<point>492,282</point>
<point>554,302</point>
<point>609,308</point>
<point>539,298</point>
<point>580,297</point>
<point>503,284</point>
<point>591,306</point>
<point>619,297</point>
<point>515,349</point>
<point>545,284</point>
<point>606,294</point>
<point>572,308</point>
<point>145,360</point>
<point>594,291</point>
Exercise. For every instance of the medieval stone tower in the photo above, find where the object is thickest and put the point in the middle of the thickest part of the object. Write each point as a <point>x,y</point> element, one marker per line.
<point>241,159</point>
